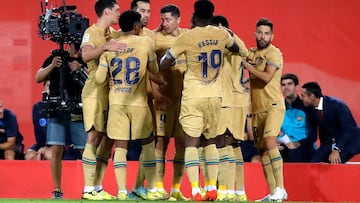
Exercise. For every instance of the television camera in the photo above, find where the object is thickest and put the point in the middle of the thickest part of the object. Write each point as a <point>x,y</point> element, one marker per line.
<point>63,25</point>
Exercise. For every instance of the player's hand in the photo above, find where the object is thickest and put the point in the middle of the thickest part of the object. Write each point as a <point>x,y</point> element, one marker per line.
<point>334,157</point>
<point>162,102</point>
<point>156,78</point>
<point>111,82</point>
<point>56,61</point>
<point>115,45</point>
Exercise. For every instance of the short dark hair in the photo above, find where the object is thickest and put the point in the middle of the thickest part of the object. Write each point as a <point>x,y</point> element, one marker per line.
<point>101,5</point>
<point>127,20</point>
<point>171,8</point>
<point>292,77</point>
<point>133,5</point>
<point>312,88</point>
<point>216,20</point>
<point>266,22</point>
<point>203,9</point>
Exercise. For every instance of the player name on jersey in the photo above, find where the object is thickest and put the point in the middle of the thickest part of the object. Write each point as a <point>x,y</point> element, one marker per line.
<point>208,42</point>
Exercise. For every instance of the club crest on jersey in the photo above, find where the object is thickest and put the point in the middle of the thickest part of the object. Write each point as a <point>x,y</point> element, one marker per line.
<point>86,38</point>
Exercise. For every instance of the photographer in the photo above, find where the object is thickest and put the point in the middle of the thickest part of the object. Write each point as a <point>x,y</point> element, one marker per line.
<point>64,110</point>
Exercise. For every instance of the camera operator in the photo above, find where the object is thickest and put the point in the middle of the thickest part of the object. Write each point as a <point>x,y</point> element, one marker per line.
<point>64,109</point>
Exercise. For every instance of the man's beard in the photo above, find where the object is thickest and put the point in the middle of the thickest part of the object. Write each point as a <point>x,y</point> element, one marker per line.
<point>262,44</point>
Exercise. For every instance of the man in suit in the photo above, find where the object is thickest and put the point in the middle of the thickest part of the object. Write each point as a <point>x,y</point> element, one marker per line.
<point>338,132</point>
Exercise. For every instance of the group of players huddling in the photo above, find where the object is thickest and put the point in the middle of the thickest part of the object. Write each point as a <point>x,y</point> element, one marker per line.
<point>181,83</point>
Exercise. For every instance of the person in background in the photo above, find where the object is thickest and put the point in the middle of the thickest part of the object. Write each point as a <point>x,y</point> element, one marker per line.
<point>11,146</point>
<point>297,134</point>
<point>338,131</point>
<point>39,150</point>
<point>65,115</point>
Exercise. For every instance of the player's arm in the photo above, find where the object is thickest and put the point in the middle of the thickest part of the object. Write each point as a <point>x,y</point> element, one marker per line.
<point>166,61</point>
<point>102,70</point>
<point>91,53</point>
<point>234,48</point>
<point>231,44</point>
<point>152,65</point>
<point>178,48</point>
<point>265,75</point>
<point>153,68</point>
<point>243,50</point>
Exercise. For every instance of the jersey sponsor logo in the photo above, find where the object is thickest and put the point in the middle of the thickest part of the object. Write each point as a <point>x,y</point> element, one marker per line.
<point>123,90</point>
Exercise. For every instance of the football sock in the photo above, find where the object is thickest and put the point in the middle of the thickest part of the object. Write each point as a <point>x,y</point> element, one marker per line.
<point>268,172</point>
<point>140,176</point>
<point>160,168</point>
<point>102,157</point>
<point>223,168</point>
<point>178,167</point>
<point>212,164</point>
<point>231,169</point>
<point>277,166</point>
<point>149,165</point>
<point>192,166</point>
<point>239,169</point>
<point>202,164</point>
<point>120,166</point>
<point>89,167</point>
